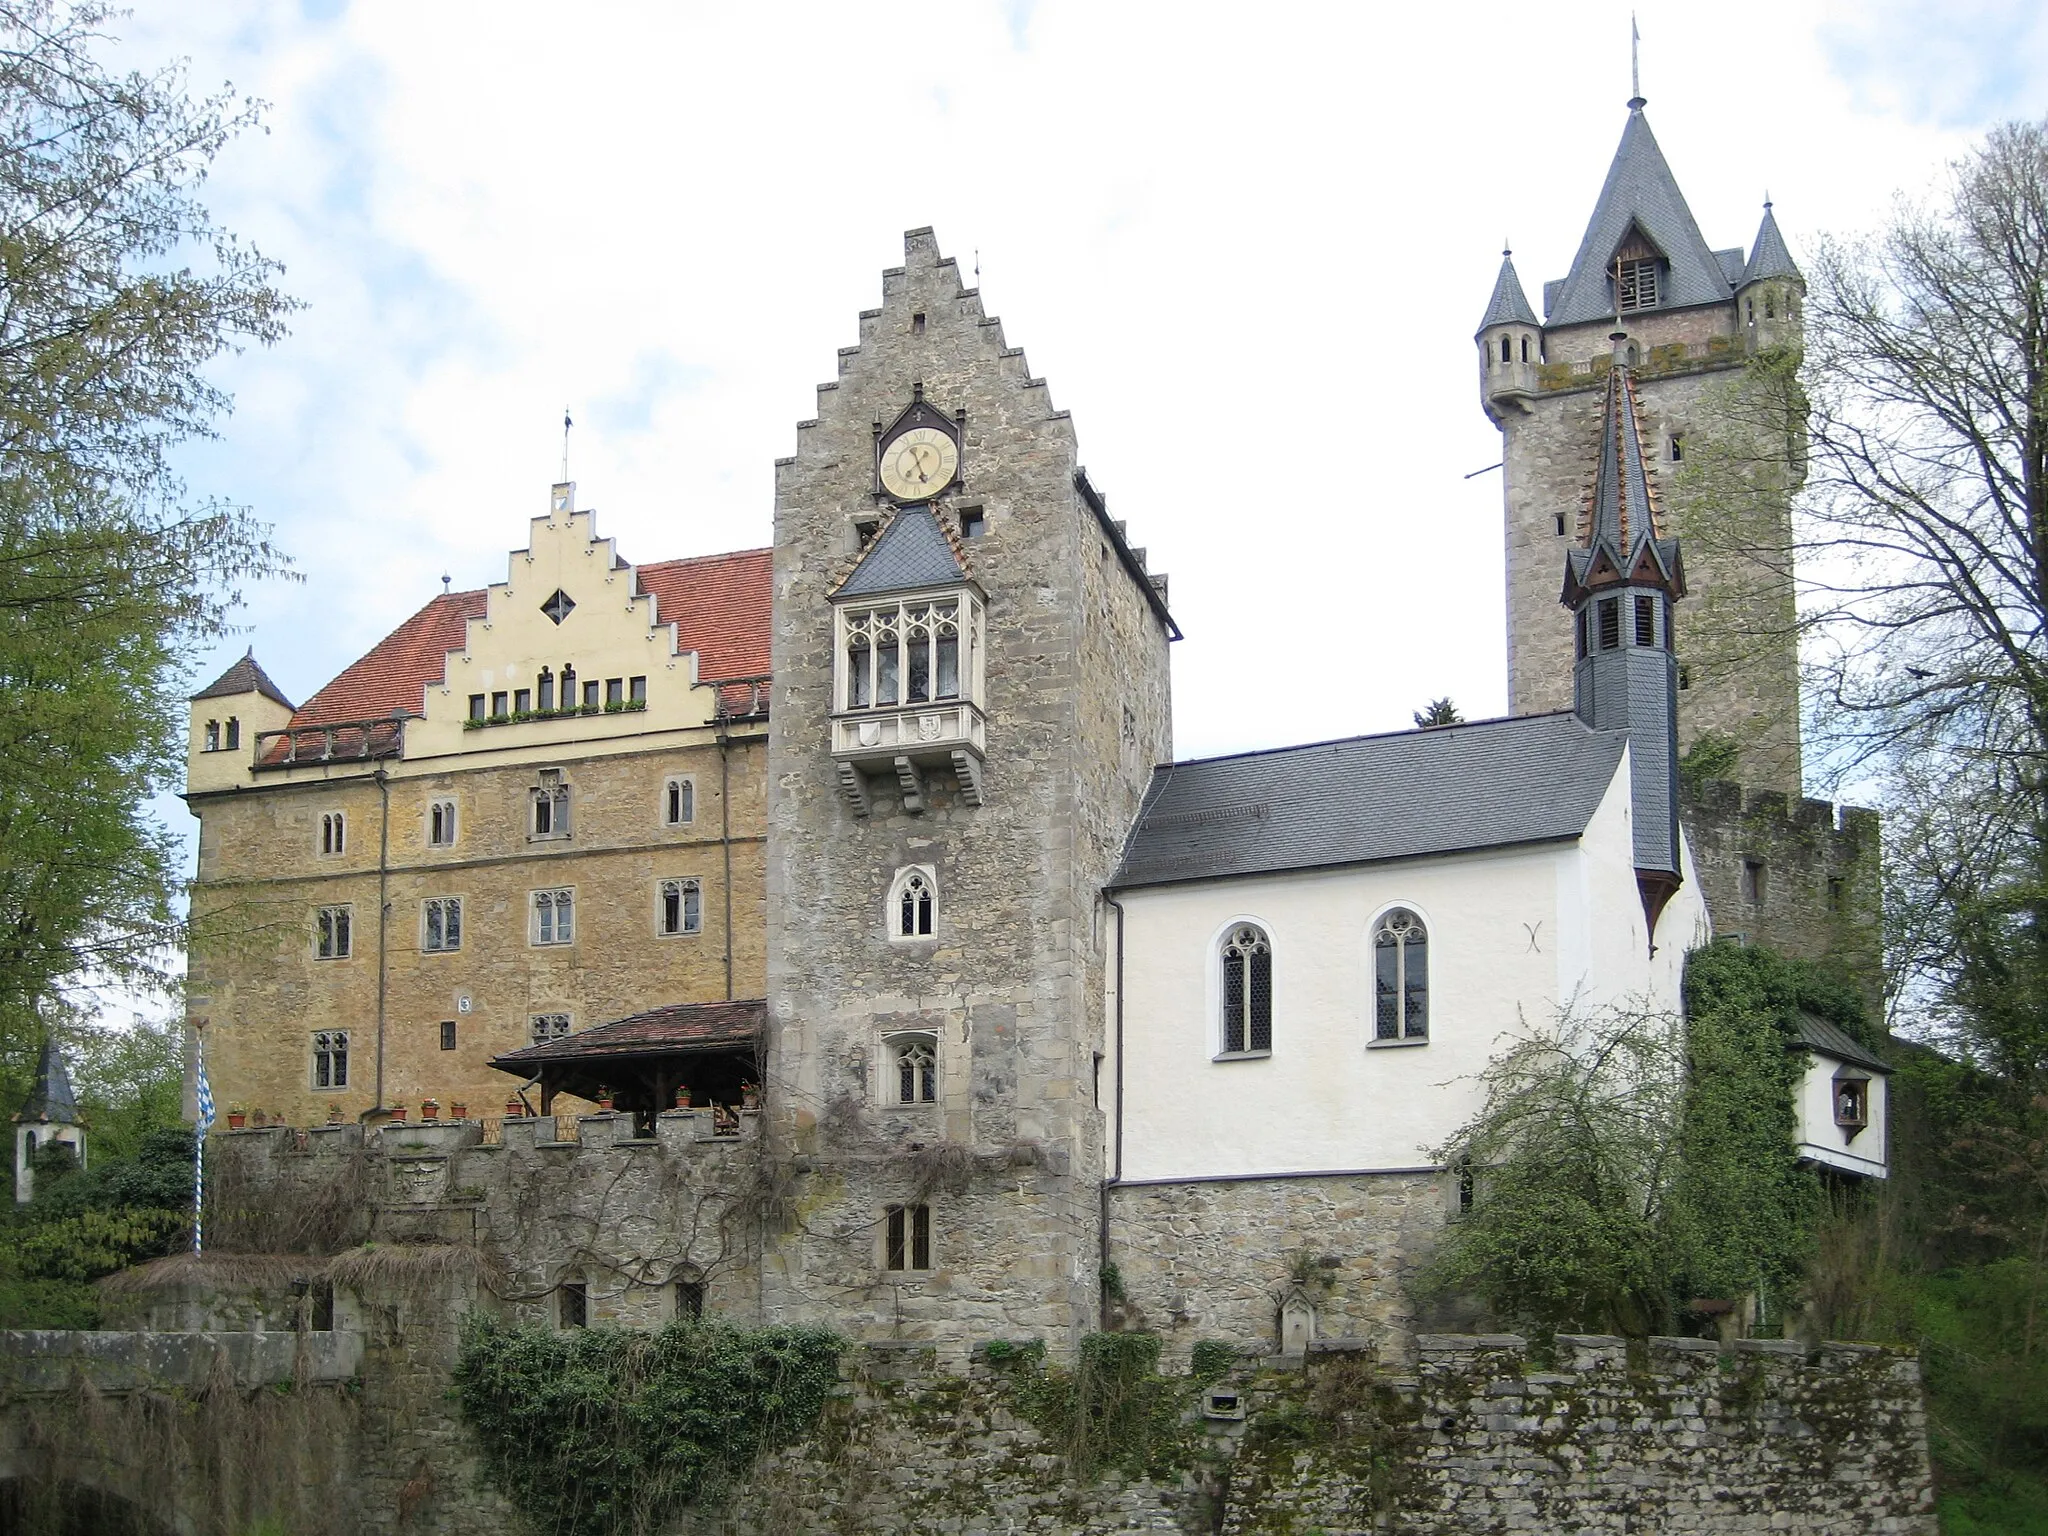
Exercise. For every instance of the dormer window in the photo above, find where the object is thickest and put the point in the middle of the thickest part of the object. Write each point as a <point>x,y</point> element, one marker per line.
<point>1636,284</point>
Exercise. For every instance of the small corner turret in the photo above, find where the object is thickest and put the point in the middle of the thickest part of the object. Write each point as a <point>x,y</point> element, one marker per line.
<point>48,1117</point>
<point>1772,290</point>
<point>1510,345</point>
<point>226,718</point>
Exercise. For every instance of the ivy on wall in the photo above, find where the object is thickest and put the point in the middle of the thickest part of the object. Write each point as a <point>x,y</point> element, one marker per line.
<point>596,1431</point>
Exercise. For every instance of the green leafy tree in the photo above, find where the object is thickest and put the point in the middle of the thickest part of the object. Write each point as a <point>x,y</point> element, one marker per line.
<point>1438,712</point>
<point>119,291</point>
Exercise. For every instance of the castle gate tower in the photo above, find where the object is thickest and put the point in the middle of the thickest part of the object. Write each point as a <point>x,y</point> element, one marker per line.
<point>970,693</point>
<point>1689,316</point>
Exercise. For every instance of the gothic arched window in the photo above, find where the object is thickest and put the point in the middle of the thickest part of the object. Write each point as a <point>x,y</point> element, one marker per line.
<point>1400,967</point>
<point>912,904</point>
<point>1247,991</point>
<point>917,1070</point>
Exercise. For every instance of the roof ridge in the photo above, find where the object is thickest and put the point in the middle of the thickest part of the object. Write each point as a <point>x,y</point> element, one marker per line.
<point>1413,730</point>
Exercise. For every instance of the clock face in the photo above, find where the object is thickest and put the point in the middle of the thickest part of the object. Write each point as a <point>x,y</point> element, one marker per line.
<point>918,464</point>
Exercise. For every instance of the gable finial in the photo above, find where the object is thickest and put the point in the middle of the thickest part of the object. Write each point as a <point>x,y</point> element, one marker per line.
<point>566,424</point>
<point>1635,67</point>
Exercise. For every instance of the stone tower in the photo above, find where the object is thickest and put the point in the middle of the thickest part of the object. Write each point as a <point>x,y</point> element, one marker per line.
<point>970,693</point>
<point>1687,316</point>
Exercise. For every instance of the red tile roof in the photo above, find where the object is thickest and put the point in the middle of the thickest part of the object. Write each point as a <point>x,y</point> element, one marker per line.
<point>720,605</point>
<point>677,1027</point>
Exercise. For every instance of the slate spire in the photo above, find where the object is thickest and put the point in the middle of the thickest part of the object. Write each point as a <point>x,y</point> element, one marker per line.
<point>1509,304</point>
<point>50,1100</point>
<point>1640,194</point>
<point>1621,584</point>
<point>1768,257</point>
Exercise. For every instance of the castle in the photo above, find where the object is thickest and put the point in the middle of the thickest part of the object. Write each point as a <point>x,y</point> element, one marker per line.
<point>848,888</point>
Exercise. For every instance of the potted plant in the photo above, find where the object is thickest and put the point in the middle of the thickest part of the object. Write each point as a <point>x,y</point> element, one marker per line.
<point>333,1114</point>
<point>750,1095</point>
<point>430,1109</point>
<point>458,1110</point>
<point>682,1095</point>
<point>604,1100</point>
<point>515,1108</point>
<point>237,1117</point>
<point>259,1119</point>
<point>398,1113</point>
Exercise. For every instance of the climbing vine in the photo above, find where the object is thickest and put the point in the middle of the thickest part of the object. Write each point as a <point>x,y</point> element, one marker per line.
<point>598,1431</point>
<point>1112,1409</point>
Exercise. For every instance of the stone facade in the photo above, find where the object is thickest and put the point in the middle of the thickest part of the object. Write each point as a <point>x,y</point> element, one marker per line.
<point>1009,985</point>
<point>1218,1259</point>
<point>259,990</point>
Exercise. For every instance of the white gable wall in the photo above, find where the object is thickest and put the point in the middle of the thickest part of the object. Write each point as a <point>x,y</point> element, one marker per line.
<point>1821,1139</point>
<point>1511,932</point>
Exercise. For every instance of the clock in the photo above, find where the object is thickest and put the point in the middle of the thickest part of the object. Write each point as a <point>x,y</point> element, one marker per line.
<point>919,463</point>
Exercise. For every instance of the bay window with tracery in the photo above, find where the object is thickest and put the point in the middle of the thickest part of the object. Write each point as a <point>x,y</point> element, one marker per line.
<point>902,653</point>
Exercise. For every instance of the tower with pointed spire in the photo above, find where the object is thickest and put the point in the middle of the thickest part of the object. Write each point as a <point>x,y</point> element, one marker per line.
<point>48,1117</point>
<point>1647,290</point>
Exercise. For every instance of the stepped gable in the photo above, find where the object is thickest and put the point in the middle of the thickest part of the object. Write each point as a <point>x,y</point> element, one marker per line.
<point>245,676</point>
<point>1639,192</point>
<point>1509,304</point>
<point>1489,784</point>
<point>719,605</point>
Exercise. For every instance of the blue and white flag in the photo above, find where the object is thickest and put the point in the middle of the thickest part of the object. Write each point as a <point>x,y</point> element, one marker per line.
<point>205,1096</point>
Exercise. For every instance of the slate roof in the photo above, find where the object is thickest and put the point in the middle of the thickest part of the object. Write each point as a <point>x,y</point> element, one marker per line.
<point>1509,304</point>
<point>657,1032</point>
<point>243,677</point>
<point>1769,257</point>
<point>1623,511</point>
<point>912,551</point>
<point>1817,1034</point>
<point>50,1099</point>
<point>1639,190</point>
<point>1489,784</point>
<point>718,603</point>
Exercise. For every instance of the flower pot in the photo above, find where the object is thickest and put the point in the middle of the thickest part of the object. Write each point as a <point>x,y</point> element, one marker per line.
<point>458,1110</point>
<point>334,1114</point>
<point>750,1096</point>
<point>430,1109</point>
<point>398,1113</point>
<point>237,1119</point>
<point>604,1103</point>
<point>259,1120</point>
<point>682,1097</point>
<point>515,1109</point>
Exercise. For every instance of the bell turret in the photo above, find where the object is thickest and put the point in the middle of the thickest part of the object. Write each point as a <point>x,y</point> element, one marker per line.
<point>1510,345</point>
<point>1620,583</point>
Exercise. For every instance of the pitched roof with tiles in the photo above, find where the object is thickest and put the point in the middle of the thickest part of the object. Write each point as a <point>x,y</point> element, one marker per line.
<point>1449,789</point>
<point>1640,191</point>
<point>718,603</point>
<point>1815,1033</point>
<point>658,1031</point>
<point>245,676</point>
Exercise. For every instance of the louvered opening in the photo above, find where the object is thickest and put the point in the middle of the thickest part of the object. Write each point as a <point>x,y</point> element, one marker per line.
<point>1636,284</point>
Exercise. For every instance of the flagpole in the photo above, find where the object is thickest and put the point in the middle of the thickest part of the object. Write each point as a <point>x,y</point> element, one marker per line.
<point>202,1123</point>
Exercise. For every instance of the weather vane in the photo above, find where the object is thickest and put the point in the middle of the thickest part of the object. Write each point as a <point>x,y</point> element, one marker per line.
<point>566,425</point>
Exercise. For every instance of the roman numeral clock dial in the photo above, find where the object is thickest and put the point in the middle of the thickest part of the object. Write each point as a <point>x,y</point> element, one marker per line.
<point>919,463</point>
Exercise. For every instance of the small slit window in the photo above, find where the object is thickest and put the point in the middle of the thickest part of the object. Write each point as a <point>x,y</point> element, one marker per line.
<point>447,1034</point>
<point>1400,953</point>
<point>1610,623</point>
<point>212,736</point>
<point>441,824</point>
<point>909,1237</point>
<point>1646,621</point>
<point>572,1304</point>
<point>689,1298</point>
<point>1247,991</point>
<point>333,833</point>
<point>1507,349</point>
<point>1755,882</point>
<point>1677,448</point>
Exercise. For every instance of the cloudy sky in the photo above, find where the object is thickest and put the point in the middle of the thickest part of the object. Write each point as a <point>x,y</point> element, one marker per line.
<point>667,217</point>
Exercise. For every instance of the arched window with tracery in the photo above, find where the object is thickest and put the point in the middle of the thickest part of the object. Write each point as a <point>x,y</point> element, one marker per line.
<point>1400,964</point>
<point>917,1070</point>
<point>912,905</point>
<point>1247,991</point>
